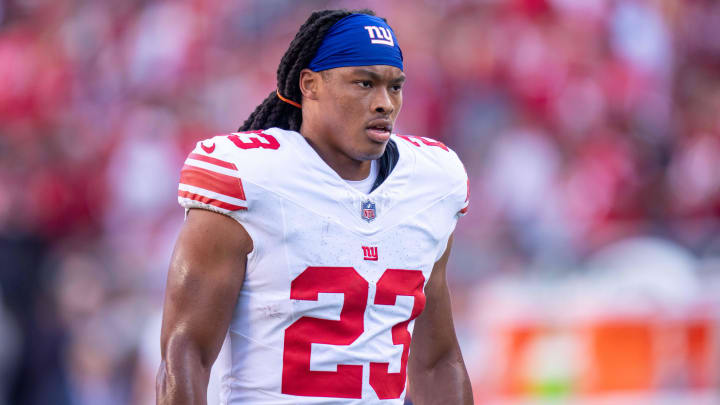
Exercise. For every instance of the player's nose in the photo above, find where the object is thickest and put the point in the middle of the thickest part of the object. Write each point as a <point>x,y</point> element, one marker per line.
<point>382,103</point>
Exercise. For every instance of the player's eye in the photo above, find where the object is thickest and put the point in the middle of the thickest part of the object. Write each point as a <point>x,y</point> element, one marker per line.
<point>396,87</point>
<point>365,84</point>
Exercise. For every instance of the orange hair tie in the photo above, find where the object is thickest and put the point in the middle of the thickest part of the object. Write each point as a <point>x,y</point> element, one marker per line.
<point>287,100</point>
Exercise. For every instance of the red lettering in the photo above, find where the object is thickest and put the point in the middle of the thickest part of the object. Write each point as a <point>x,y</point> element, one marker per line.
<point>346,382</point>
<point>426,141</point>
<point>254,141</point>
<point>396,282</point>
<point>297,378</point>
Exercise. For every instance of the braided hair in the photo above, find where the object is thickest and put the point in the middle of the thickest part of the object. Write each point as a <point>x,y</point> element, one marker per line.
<point>273,112</point>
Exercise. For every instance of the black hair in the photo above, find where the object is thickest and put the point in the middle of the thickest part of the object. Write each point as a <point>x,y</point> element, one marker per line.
<point>273,112</point>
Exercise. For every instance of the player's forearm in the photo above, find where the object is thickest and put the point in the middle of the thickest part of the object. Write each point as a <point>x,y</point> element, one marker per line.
<point>446,381</point>
<point>182,379</point>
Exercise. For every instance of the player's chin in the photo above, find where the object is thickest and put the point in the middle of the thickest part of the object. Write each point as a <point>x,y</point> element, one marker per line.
<point>373,150</point>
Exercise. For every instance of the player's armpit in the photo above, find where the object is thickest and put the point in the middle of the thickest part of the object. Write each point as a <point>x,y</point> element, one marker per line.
<point>206,274</point>
<point>436,370</point>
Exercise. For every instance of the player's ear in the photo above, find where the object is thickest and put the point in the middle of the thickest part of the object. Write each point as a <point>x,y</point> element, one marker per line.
<point>309,84</point>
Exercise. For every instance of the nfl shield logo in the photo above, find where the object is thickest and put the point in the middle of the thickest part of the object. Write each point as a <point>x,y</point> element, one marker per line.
<point>367,210</point>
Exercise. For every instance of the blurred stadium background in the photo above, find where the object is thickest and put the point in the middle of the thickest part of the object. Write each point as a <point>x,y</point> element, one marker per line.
<point>588,268</point>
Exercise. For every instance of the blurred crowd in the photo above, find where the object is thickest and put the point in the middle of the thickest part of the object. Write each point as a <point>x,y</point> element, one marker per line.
<point>581,123</point>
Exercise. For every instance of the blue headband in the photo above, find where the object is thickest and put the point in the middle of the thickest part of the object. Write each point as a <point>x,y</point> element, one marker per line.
<point>358,40</point>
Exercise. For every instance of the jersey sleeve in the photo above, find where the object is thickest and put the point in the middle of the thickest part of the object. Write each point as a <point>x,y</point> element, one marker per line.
<point>210,180</point>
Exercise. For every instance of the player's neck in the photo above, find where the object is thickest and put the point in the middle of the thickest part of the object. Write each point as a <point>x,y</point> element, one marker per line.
<point>346,167</point>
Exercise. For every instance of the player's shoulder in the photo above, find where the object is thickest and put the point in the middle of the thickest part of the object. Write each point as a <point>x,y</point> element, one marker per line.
<point>228,172</point>
<point>251,153</point>
<point>433,159</point>
<point>437,171</point>
<point>248,146</point>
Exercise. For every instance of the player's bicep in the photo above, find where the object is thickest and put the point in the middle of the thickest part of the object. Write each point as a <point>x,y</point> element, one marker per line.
<point>434,332</point>
<point>205,277</point>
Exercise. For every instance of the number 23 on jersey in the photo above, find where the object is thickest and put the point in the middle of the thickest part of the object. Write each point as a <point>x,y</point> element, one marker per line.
<point>346,382</point>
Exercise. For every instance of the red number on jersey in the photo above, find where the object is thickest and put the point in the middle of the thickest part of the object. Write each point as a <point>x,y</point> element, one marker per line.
<point>396,282</point>
<point>297,378</point>
<point>346,382</point>
<point>426,141</point>
<point>254,142</point>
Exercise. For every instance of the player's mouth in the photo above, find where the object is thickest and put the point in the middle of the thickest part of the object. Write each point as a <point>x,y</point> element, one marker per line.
<point>379,130</point>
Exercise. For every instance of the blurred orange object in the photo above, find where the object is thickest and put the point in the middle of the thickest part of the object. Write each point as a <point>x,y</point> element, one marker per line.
<point>702,353</point>
<point>606,356</point>
<point>621,356</point>
<point>517,340</point>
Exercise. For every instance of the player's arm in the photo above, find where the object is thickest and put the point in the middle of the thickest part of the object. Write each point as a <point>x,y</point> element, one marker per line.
<point>206,273</point>
<point>436,368</point>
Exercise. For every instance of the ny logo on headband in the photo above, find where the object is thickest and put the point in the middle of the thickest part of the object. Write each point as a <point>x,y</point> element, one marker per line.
<point>382,34</point>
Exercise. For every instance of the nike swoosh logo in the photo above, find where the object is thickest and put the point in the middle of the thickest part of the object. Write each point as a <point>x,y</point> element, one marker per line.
<point>208,150</point>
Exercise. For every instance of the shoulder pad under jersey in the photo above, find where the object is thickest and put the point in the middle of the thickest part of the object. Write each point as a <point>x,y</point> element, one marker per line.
<point>439,167</point>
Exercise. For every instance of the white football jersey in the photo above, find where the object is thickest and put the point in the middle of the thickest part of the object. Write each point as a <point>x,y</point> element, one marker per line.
<point>336,277</point>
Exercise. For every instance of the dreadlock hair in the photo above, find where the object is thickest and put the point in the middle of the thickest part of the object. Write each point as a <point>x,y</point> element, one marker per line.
<point>273,112</point>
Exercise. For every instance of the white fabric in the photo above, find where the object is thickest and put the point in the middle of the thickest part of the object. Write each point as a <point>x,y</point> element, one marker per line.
<point>365,185</point>
<point>301,214</point>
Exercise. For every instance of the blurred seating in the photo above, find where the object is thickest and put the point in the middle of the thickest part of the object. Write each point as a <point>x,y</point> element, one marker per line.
<point>580,124</point>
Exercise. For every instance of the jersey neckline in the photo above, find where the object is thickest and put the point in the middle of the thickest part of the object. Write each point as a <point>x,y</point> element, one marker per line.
<point>367,183</point>
<point>385,196</point>
<point>396,179</point>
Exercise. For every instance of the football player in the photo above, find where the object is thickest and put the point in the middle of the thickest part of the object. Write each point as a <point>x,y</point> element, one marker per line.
<point>316,240</point>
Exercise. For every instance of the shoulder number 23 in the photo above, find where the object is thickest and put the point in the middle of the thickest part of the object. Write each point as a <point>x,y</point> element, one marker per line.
<point>254,140</point>
<point>346,382</point>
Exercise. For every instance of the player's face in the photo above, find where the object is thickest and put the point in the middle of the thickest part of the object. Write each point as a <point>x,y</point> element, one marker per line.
<point>360,105</point>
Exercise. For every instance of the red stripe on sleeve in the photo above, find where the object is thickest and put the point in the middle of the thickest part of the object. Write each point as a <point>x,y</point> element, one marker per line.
<point>209,180</point>
<point>212,160</point>
<point>464,210</point>
<point>210,201</point>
